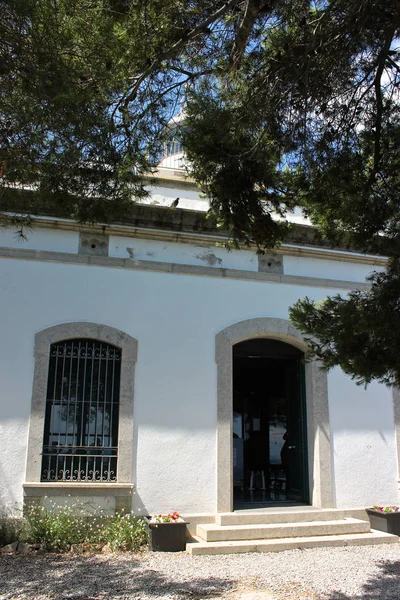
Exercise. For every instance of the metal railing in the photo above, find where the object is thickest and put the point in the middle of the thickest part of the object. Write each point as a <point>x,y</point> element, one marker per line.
<point>84,463</point>
<point>82,411</point>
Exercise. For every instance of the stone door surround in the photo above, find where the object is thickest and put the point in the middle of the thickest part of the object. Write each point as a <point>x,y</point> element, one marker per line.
<point>318,430</point>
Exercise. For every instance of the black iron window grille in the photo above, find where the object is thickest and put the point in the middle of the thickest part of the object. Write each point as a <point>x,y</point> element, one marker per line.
<point>82,410</point>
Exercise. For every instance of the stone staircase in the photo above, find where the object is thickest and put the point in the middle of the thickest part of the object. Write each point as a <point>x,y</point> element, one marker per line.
<point>274,530</point>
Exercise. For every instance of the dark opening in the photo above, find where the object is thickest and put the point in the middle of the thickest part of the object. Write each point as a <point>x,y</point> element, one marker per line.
<point>82,411</point>
<point>269,424</point>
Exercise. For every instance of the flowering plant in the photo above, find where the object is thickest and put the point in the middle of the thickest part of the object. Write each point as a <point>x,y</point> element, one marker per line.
<point>386,509</point>
<point>170,518</point>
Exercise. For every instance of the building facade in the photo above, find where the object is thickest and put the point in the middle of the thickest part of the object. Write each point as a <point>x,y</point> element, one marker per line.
<point>145,366</point>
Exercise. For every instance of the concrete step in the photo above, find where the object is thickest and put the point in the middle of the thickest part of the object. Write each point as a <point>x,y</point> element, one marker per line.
<point>288,515</point>
<point>200,547</point>
<point>216,533</point>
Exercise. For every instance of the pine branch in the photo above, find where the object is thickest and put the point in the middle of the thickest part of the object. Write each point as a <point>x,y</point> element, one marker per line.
<point>171,52</point>
<point>253,9</point>
<point>382,58</point>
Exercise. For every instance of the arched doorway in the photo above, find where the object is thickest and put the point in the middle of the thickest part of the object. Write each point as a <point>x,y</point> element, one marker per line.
<point>320,482</point>
<point>269,424</point>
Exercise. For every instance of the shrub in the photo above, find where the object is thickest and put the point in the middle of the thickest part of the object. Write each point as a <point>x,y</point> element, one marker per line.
<point>59,528</point>
<point>123,532</point>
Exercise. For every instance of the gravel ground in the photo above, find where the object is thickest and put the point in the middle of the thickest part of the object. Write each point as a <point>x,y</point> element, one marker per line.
<point>356,573</point>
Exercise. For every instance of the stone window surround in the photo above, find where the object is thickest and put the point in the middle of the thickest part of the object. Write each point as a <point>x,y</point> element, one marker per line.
<point>317,408</point>
<point>33,487</point>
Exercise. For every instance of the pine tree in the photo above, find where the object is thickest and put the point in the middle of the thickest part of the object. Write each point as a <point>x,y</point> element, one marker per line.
<point>288,103</point>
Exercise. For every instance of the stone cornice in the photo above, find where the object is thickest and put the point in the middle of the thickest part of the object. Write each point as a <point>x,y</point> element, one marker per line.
<point>187,226</point>
<point>178,268</point>
<point>206,239</point>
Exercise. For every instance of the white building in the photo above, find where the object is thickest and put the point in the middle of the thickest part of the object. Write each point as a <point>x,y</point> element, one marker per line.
<point>145,366</point>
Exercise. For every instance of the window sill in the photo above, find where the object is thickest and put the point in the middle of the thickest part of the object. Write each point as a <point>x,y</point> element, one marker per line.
<point>40,489</point>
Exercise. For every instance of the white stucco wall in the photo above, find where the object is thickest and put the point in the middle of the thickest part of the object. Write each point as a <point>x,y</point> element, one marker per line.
<point>332,269</point>
<point>121,246</point>
<point>41,239</point>
<point>365,463</point>
<point>175,319</point>
<point>206,256</point>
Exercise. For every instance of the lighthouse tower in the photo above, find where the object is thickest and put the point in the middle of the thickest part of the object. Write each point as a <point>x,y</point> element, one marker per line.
<point>174,156</point>
<point>171,184</point>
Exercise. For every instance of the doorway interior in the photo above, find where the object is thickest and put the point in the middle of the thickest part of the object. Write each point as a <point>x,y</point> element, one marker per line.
<point>269,425</point>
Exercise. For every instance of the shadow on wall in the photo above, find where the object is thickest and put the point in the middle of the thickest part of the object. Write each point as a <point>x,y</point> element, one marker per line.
<point>7,489</point>
<point>89,578</point>
<point>138,508</point>
<point>384,586</point>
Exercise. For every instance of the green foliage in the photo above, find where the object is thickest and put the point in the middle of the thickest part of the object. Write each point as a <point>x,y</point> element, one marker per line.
<point>288,102</point>
<point>237,165</point>
<point>86,97</point>
<point>124,533</point>
<point>58,528</point>
<point>359,333</point>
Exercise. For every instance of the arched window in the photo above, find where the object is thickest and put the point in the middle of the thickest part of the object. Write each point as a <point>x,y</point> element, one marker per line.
<point>80,441</point>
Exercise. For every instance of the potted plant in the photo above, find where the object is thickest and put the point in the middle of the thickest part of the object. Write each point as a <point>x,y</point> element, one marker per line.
<point>385,518</point>
<point>167,533</point>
